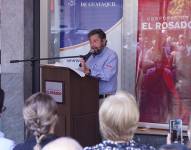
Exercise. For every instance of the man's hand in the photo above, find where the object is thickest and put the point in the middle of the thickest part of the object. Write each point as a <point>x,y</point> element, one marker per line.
<point>84,67</point>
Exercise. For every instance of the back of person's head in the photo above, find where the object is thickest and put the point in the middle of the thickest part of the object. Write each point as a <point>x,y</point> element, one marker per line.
<point>2,95</point>
<point>64,143</point>
<point>173,147</point>
<point>100,33</point>
<point>118,117</point>
<point>40,115</point>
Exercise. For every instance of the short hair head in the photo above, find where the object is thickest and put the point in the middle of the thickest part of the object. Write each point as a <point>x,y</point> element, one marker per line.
<point>99,32</point>
<point>63,143</point>
<point>40,114</point>
<point>118,117</point>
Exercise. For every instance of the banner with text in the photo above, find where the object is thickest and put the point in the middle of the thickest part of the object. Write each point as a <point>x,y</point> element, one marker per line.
<point>163,80</point>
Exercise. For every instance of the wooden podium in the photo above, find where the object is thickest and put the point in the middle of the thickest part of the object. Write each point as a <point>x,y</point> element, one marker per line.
<point>78,108</point>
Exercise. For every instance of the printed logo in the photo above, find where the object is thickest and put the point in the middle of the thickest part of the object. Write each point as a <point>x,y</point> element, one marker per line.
<point>178,6</point>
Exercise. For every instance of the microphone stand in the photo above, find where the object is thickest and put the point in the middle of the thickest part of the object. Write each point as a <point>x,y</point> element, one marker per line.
<point>33,60</point>
<point>40,59</point>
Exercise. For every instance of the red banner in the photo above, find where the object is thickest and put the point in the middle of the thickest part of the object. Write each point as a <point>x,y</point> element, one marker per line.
<point>163,80</point>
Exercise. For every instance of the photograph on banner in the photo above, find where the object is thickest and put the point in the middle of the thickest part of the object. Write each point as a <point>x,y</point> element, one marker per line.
<point>163,63</point>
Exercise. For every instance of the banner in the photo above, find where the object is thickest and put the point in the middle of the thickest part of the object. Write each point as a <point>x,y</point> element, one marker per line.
<point>163,69</point>
<point>78,17</point>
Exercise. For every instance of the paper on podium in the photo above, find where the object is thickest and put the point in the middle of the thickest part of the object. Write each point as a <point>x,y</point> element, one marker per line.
<point>77,70</point>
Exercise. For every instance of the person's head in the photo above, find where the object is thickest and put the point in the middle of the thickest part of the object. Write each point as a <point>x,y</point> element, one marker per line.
<point>173,147</point>
<point>97,39</point>
<point>2,95</point>
<point>118,117</point>
<point>40,115</point>
<point>64,143</point>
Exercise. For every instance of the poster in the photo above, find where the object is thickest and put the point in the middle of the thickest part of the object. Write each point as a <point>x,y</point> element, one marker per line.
<point>163,63</point>
<point>78,17</point>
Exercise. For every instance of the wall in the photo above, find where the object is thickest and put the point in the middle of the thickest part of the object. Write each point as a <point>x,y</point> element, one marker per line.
<point>16,43</point>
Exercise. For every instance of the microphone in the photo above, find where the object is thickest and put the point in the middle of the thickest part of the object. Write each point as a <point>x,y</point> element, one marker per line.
<point>85,57</point>
<point>14,61</point>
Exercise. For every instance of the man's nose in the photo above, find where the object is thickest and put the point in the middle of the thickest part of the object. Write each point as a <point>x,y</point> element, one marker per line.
<point>93,44</point>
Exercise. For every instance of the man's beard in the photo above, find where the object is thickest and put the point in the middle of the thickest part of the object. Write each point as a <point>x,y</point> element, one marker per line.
<point>98,50</point>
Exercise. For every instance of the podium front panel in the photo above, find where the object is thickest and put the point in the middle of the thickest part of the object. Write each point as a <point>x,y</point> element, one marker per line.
<point>78,114</point>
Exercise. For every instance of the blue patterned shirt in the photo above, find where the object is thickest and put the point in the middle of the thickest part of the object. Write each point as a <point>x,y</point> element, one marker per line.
<point>111,145</point>
<point>105,67</point>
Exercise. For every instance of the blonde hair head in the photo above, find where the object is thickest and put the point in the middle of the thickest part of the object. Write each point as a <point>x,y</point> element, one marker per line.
<point>40,115</point>
<point>63,143</point>
<point>118,117</point>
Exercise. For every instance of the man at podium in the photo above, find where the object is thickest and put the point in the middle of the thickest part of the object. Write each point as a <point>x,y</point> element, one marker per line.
<point>102,62</point>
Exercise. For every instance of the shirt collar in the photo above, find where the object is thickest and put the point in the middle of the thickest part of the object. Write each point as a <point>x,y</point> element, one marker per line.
<point>100,53</point>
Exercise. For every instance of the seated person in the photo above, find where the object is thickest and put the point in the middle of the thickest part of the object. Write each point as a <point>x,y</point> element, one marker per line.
<point>5,144</point>
<point>40,116</point>
<point>64,143</point>
<point>118,119</point>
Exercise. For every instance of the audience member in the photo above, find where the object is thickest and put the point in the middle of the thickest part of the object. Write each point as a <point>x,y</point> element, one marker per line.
<point>5,144</point>
<point>40,115</point>
<point>64,143</point>
<point>118,118</point>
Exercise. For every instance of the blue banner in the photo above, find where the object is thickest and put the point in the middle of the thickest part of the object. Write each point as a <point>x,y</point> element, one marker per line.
<point>78,17</point>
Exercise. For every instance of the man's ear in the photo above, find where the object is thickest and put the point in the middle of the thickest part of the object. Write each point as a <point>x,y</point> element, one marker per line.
<point>104,41</point>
